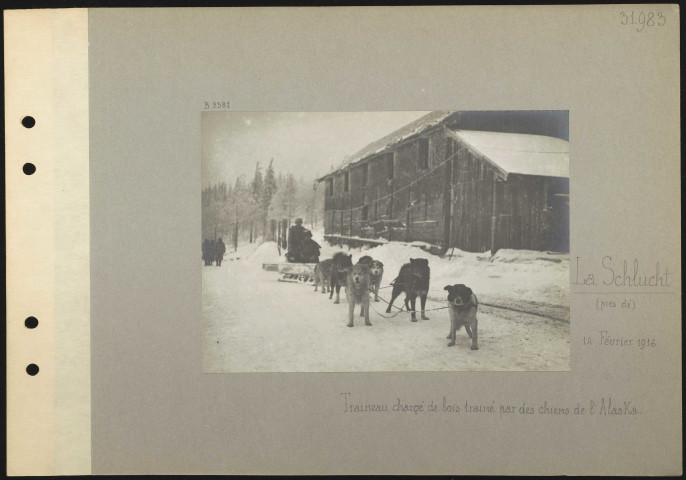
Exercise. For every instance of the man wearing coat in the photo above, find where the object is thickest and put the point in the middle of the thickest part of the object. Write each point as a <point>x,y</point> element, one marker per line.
<point>219,249</point>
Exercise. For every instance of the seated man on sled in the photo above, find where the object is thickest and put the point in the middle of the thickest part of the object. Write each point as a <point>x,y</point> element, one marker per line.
<point>301,247</point>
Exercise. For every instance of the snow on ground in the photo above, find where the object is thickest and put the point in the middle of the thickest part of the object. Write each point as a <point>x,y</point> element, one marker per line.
<point>521,275</point>
<point>254,323</point>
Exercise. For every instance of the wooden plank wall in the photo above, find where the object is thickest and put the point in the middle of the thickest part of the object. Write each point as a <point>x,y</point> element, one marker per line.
<point>423,200</point>
<point>471,181</point>
<point>473,196</point>
<point>520,204</point>
<point>524,203</point>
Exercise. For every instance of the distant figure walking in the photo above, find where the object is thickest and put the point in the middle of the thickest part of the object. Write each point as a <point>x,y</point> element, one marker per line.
<point>219,250</point>
<point>207,252</point>
<point>213,246</point>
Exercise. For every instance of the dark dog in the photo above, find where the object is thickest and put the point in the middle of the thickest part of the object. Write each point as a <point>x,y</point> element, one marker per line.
<point>367,260</point>
<point>463,305</point>
<point>340,265</point>
<point>413,279</point>
<point>357,291</point>
<point>322,274</point>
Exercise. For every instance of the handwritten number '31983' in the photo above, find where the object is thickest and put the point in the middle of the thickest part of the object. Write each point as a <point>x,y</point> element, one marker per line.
<point>642,19</point>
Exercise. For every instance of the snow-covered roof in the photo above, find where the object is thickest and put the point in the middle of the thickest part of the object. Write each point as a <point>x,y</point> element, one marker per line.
<point>520,153</point>
<point>418,126</point>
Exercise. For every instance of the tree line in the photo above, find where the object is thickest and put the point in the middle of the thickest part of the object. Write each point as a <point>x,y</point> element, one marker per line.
<point>244,210</point>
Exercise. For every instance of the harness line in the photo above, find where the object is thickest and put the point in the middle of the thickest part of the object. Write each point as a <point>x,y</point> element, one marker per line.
<point>400,309</point>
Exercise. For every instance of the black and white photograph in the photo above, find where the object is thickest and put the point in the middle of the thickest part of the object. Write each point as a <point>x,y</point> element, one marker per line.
<point>344,240</point>
<point>385,241</point>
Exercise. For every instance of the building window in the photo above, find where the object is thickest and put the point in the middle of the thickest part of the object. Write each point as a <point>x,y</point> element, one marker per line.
<point>365,208</point>
<point>423,153</point>
<point>329,187</point>
<point>346,181</point>
<point>365,174</point>
<point>390,164</point>
<point>426,206</point>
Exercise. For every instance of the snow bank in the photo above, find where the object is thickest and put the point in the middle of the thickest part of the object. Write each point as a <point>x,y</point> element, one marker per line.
<point>522,275</point>
<point>527,256</point>
<point>267,252</point>
<point>517,274</point>
<point>327,250</point>
<point>244,250</point>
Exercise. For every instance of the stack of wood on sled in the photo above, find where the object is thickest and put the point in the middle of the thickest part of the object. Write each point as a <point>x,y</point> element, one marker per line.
<point>292,272</point>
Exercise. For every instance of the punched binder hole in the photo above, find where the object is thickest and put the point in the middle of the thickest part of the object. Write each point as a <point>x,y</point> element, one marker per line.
<point>32,369</point>
<point>31,322</point>
<point>29,168</point>
<point>28,122</point>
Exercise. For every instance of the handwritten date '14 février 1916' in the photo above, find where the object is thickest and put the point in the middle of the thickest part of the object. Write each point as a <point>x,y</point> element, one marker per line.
<point>606,339</point>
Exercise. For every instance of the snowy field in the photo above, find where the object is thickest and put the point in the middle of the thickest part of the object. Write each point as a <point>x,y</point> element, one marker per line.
<point>254,323</point>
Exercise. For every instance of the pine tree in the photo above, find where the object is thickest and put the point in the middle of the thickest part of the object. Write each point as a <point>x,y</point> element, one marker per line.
<point>255,206</point>
<point>240,210</point>
<point>312,202</point>
<point>256,185</point>
<point>214,204</point>
<point>290,196</point>
<point>269,189</point>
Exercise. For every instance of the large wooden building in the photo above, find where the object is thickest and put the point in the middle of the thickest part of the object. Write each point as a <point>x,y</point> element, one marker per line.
<point>471,180</point>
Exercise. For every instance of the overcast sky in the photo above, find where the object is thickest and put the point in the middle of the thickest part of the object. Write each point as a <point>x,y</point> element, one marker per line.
<point>306,144</point>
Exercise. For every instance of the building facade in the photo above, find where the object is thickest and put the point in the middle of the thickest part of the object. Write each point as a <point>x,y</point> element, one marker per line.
<point>471,180</point>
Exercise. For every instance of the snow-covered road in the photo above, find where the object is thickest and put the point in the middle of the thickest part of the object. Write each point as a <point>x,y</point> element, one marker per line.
<point>254,323</point>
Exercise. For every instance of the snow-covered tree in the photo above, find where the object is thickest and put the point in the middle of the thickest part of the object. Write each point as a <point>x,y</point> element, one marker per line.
<point>240,208</point>
<point>312,201</point>
<point>257,214</point>
<point>269,188</point>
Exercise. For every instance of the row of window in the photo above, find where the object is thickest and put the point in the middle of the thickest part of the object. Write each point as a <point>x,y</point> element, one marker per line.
<point>422,201</point>
<point>422,160</point>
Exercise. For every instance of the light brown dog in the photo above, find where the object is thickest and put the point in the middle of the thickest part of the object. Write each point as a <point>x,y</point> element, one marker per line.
<point>322,274</point>
<point>375,276</point>
<point>340,268</point>
<point>463,305</point>
<point>357,292</point>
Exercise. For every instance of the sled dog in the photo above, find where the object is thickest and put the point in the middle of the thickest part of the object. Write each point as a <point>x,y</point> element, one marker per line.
<point>322,274</point>
<point>463,305</point>
<point>357,292</point>
<point>367,260</point>
<point>413,279</point>
<point>375,276</point>
<point>340,265</point>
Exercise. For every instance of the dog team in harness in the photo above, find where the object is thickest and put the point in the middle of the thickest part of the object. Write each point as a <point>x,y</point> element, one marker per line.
<point>413,279</point>
<point>364,277</point>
